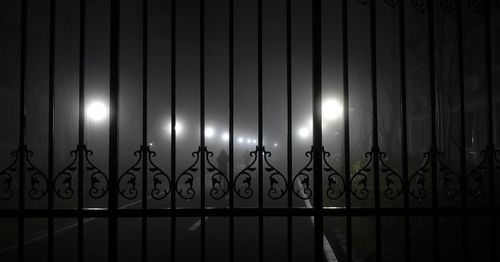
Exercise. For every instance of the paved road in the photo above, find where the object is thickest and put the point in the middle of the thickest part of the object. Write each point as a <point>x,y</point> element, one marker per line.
<point>187,241</point>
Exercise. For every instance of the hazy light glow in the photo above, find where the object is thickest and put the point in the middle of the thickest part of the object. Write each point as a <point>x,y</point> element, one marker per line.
<point>275,144</point>
<point>249,141</point>
<point>304,132</point>
<point>97,111</point>
<point>254,141</point>
<point>209,132</point>
<point>225,136</point>
<point>240,140</point>
<point>331,109</point>
<point>178,128</point>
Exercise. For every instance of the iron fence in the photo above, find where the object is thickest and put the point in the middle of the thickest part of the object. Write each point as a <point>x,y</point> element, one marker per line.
<point>318,180</point>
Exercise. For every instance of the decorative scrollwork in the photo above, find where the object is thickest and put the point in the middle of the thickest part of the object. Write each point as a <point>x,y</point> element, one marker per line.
<point>336,183</point>
<point>38,180</point>
<point>184,183</point>
<point>359,181</point>
<point>220,183</point>
<point>65,178</point>
<point>392,3</point>
<point>475,185</point>
<point>243,180</point>
<point>6,192</point>
<point>451,180</point>
<point>301,182</point>
<point>160,178</point>
<point>277,189</point>
<point>448,6</point>
<point>393,181</point>
<point>419,5</point>
<point>416,182</point>
<point>99,183</point>
<point>127,181</point>
<point>476,5</point>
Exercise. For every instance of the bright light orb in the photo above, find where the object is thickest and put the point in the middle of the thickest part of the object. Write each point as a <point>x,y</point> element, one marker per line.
<point>209,132</point>
<point>249,141</point>
<point>97,111</point>
<point>178,128</point>
<point>275,144</point>
<point>331,109</point>
<point>240,140</point>
<point>225,136</point>
<point>303,132</point>
<point>254,141</point>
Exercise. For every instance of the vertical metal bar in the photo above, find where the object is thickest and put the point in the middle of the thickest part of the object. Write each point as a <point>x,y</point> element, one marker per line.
<point>347,160</point>
<point>404,125</point>
<point>317,134</point>
<point>375,149</point>
<point>491,146</point>
<point>463,168</point>
<point>144,221</point>
<point>22,130</point>
<point>81,126</point>
<point>434,149</point>
<point>114,83</point>
<point>52,25</point>
<point>259,152</point>
<point>289,124</point>
<point>202,125</point>
<point>172,124</point>
<point>231,127</point>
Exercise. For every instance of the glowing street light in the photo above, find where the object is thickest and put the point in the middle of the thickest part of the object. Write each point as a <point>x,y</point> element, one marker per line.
<point>240,140</point>
<point>209,132</point>
<point>178,128</point>
<point>97,111</point>
<point>303,132</point>
<point>331,109</point>
<point>225,137</point>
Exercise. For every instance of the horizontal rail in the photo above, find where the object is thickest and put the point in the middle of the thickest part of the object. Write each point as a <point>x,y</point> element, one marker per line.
<point>250,212</point>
